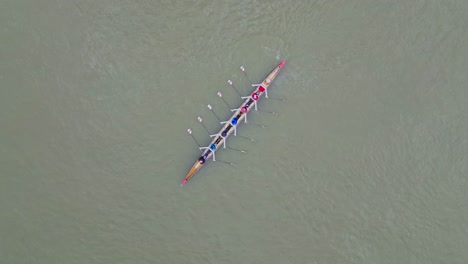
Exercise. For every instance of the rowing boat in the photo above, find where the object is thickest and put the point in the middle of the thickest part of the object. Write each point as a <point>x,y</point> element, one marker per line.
<point>230,126</point>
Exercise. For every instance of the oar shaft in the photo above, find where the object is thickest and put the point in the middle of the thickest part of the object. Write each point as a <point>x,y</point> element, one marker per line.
<point>207,131</point>
<point>246,138</point>
<point>242,151</point>
<point>189,131</point>
<point>201,122</point>
<point>243,70</point>
<point>282,100</point>
<point>217,117</point>
<point>226,103</point>
<point>211,109</point>
<point>230,83</point>
<point>220,95</point>
<point>229,163</point>
<point>196,141</point>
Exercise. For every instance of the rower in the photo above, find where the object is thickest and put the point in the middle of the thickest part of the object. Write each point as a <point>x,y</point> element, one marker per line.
<point>210,148</point>
<point>244,109</point>
<point>253,96</point>
<point>222,135</point>
<point>261,88</point>
<point>206,153</point>
<point>226,130</point>
<point>232,123</point>
<point>201,159</point>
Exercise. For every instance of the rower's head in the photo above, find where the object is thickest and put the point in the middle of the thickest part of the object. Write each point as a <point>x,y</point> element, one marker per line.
<point>201,160</point>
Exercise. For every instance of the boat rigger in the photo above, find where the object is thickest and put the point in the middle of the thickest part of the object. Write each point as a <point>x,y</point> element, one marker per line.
<point>230,125</point>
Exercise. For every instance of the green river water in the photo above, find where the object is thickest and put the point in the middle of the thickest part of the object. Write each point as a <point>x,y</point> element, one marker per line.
<point>367,162</point>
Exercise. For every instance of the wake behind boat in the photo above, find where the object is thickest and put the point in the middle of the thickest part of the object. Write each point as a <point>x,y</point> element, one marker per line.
<point>230,125</point>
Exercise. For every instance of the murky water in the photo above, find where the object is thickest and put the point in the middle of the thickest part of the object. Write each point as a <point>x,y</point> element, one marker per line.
<point>365,163</point>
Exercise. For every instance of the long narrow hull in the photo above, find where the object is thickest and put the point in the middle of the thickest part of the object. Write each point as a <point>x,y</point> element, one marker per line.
<point>236,118</point>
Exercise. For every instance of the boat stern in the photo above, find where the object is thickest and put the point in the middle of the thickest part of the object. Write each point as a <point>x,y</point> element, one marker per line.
<point>196,167</point>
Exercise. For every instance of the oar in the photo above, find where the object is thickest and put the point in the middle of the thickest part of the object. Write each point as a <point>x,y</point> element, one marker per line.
<point>243,70</point>
<point>190,133</point>
<point>211,109</point>
<point>230,83</point>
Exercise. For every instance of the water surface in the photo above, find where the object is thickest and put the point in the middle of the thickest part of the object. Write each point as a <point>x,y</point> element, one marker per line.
<point>365,163</point>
